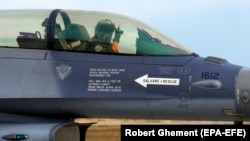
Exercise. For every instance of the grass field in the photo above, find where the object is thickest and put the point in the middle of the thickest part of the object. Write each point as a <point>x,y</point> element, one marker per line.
<point>103,133</point>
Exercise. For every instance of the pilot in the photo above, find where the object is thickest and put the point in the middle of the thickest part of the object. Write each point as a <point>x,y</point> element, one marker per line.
<point>102,40</point>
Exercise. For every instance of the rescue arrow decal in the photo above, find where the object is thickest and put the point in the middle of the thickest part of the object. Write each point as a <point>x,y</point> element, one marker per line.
<point>145,80</point>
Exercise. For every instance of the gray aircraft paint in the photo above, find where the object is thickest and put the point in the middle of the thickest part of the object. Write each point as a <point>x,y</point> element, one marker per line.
<point>49,77</point>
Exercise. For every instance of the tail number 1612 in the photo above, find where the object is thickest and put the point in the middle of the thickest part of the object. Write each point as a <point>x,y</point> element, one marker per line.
<point>210,75</point>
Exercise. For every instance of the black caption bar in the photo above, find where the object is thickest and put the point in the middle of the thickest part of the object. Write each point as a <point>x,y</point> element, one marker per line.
<point>196,132</point>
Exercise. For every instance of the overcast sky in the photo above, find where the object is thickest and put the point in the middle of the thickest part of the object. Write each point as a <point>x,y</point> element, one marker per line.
<point>218,28</point>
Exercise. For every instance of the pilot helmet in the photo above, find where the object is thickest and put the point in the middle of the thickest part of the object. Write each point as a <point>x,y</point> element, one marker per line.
<point>104,30</point>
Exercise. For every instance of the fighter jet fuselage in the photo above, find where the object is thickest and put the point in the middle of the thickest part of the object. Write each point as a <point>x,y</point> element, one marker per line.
<point>68,84</point>
<point>82,64</point>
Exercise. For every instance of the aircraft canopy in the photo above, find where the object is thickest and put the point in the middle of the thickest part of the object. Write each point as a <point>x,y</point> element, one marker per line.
<point>84,31</point>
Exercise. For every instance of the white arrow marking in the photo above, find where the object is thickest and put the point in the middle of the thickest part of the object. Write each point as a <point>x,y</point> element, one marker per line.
<point>145,80</point>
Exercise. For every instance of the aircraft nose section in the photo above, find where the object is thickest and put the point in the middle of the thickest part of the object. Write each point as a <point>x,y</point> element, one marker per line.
<point>242,92</point>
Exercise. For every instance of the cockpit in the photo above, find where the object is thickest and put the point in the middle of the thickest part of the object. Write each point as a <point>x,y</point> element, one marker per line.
<point>83,31</point>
